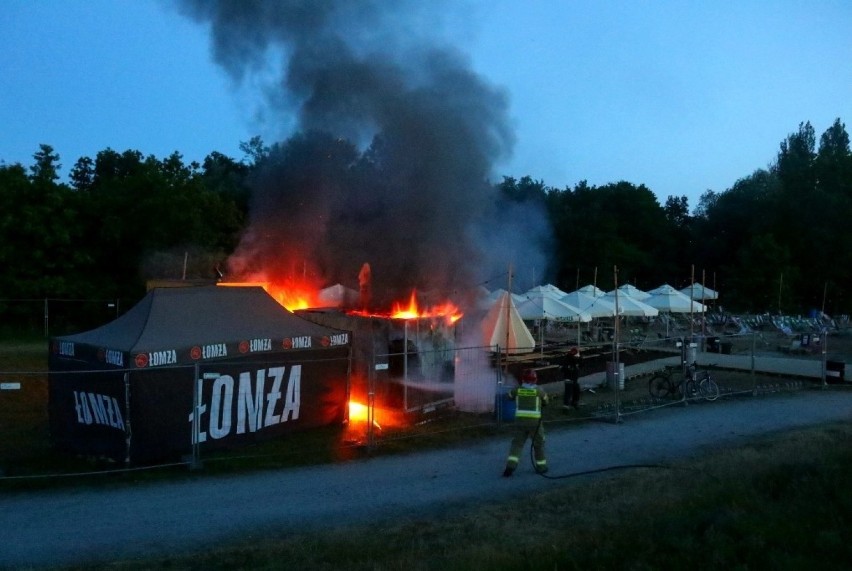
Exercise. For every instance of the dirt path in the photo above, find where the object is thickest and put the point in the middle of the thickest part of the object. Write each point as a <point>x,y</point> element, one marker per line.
<point>76,527</point>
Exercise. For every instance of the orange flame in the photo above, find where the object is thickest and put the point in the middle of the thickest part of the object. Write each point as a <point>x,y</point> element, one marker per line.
<point>291,295</point>
<point>447,311</point>
<point>296,295</point>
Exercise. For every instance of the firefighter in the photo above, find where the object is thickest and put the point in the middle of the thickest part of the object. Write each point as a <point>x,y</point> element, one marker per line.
<point>529,400</point>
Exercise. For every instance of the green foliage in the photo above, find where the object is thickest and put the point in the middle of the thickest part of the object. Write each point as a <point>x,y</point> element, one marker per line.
<point>124,217</point>
<point>614,225</point>
<point>89,240</point>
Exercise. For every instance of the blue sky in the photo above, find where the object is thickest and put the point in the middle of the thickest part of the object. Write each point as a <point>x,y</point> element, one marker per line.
<point>679,96</point>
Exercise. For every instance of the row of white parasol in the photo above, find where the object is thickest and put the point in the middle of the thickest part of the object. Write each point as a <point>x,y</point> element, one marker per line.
<point>549,303</point>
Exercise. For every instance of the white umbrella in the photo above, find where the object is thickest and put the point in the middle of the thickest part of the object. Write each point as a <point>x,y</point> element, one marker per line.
<point>547,289</point>
<point>631,307</point>
<point>592,290</point>
<point>632,291</point>
<point>551,309</point>
<point>594,306</point>
<point>668,299</point>
<point>503,327</point>
<point>699,292</point>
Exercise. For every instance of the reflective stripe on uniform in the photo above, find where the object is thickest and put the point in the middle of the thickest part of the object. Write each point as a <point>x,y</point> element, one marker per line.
<point>528,404</point>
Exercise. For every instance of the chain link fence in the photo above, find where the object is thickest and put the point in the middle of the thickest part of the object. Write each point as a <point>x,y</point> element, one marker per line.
<point>417,395</point>
<point>56,316</point>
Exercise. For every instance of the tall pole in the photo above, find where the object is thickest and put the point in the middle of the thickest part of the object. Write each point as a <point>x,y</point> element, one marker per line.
<point>780,284</point>
<point>616,363</point>
<point>703,303</point>
<point>691,301</point>
<point>714,287</point>
<point>508,314</point>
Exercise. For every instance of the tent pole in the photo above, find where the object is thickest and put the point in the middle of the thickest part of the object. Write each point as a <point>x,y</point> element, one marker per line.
<point>196,402</point>
<point>691,301</point>
<point>127,418</point>
<point>703,309</point>
<point>616,360</point>
<point>508,313</point>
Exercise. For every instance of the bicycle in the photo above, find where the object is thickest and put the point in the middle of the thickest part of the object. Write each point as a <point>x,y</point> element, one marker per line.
<point>696,384</point>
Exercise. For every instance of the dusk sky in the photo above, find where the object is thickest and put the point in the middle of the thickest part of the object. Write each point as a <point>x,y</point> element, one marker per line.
<point>679,96</point>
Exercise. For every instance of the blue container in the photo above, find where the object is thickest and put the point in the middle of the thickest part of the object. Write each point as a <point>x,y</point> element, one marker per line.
<point>504,406</point>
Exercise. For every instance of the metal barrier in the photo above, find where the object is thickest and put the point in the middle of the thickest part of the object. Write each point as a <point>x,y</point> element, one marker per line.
<point>404,396</point>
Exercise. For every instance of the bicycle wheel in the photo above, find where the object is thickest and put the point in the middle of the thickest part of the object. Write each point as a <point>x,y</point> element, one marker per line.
<point>660,386</point>
<point>708,388</point>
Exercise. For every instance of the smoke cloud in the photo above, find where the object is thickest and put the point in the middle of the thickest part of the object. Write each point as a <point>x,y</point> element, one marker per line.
<point>390,149</point>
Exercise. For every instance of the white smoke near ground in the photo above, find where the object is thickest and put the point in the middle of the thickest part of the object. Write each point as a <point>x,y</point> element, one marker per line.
<point>391,156</point>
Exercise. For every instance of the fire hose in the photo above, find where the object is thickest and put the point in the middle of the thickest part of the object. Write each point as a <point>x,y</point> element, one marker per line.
<point>595,471</point>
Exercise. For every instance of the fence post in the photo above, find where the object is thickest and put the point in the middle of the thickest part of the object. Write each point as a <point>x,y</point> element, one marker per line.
<point>824,357</point>
<point>753,375</point>
<point>127,431</point>
<point>371,403</point>
<point>617,380</point>
<point>498,393</point>
<point>196,401</point>
<point>684,371</point>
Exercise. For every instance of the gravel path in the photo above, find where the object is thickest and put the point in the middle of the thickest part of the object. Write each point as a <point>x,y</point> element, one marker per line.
<point>88,525</point>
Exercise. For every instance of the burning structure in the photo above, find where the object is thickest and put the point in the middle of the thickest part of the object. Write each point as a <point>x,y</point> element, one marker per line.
<point>391,140</point>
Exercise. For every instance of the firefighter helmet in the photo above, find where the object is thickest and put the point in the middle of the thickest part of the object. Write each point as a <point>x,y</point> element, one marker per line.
<point>529,376</point>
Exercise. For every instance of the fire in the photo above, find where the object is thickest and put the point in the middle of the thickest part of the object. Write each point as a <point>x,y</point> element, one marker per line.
<point>294,295</point>
<point>447,310</point>
<point>358,412</point>
<point>291,294</point>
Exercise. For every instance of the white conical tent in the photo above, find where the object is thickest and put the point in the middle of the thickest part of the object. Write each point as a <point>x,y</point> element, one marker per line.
<point>699,292</point>
<point>631,307</point>
<point>493,297</point>
<point>632,291</point>
<point>594,306</point>
<point>667,299</point>
<point>503,324</point>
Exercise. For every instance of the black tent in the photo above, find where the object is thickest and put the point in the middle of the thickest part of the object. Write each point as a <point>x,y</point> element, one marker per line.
<point>207,366</point>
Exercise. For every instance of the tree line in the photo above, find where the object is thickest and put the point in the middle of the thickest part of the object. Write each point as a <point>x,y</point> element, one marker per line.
<point>777,240</point>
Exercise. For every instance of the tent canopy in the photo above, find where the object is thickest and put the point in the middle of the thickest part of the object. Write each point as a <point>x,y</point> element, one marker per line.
<point>698,292</point>
<point>592,290</point>
<point>503,324</point>
<point>630,306</point>
<point>249,368</point>
<point>181,323</point>
<point>632,291</point>
<point>549,308</point>
<point>547,289</point>
<point>594,306</point>
<point>668,299</point>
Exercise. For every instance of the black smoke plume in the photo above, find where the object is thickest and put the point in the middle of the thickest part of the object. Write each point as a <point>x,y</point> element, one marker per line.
<point>389,152</point>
